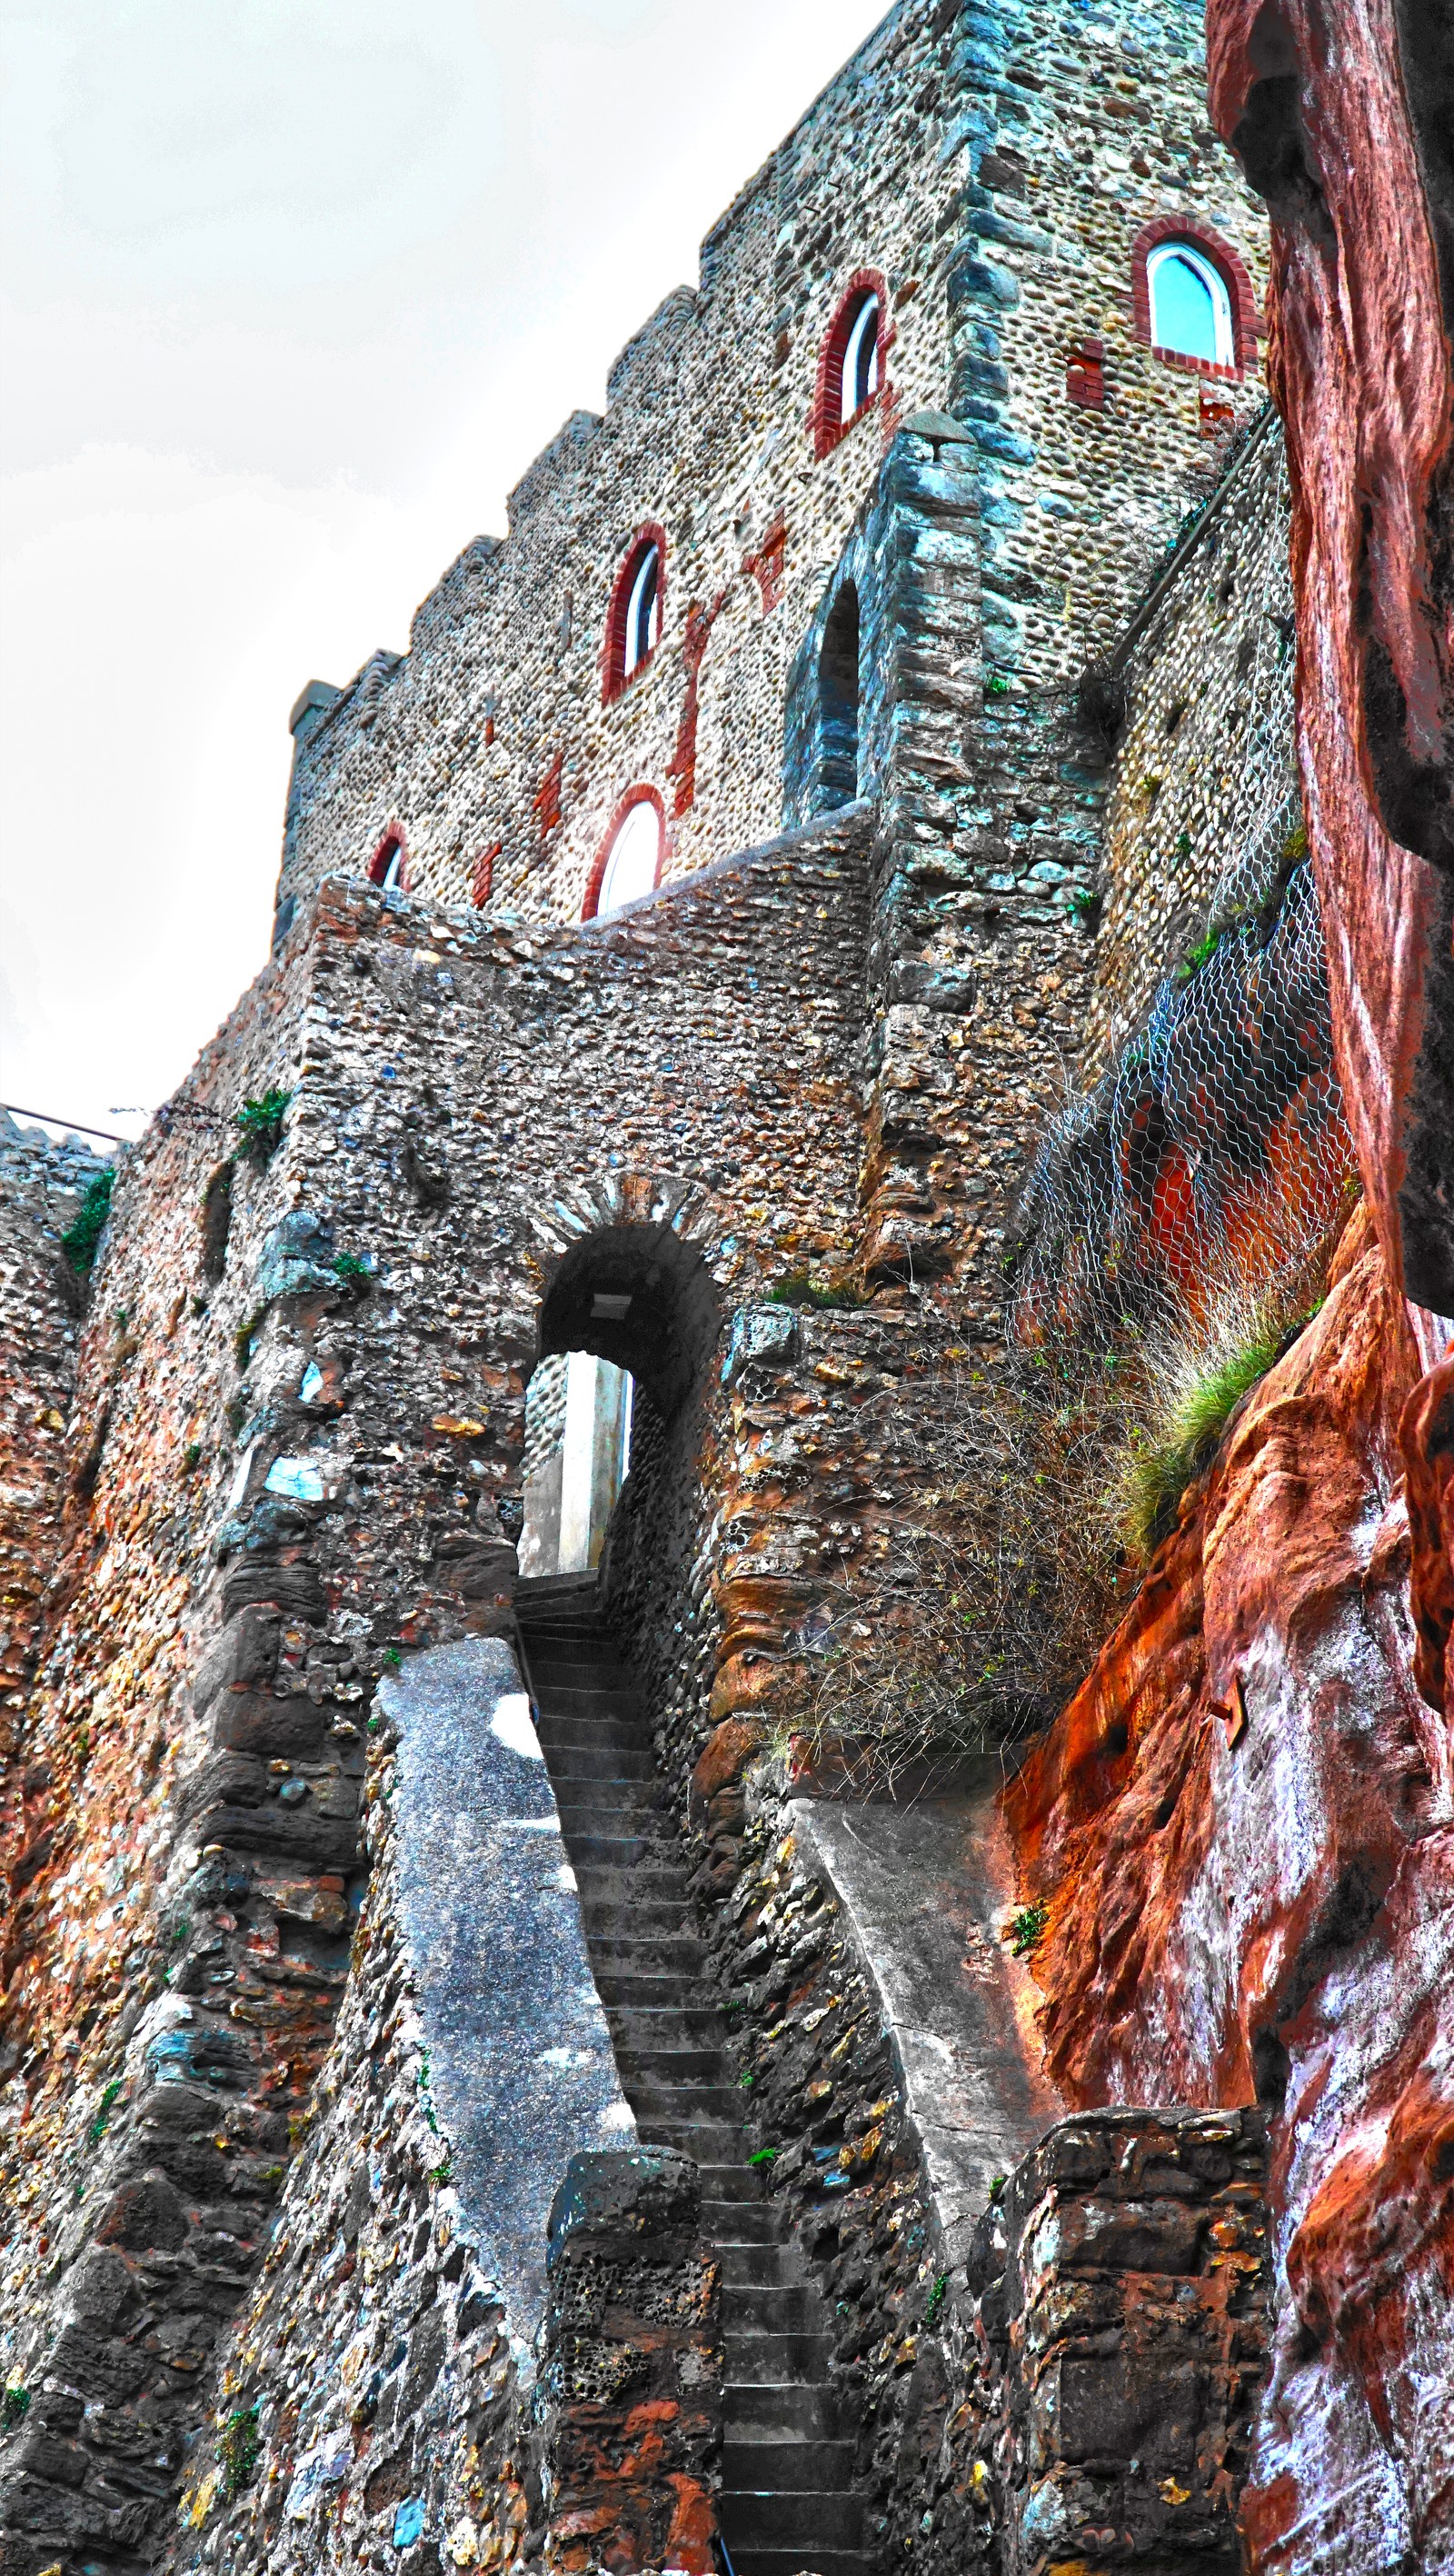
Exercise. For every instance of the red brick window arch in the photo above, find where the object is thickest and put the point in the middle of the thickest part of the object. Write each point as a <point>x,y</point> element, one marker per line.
<point>389,866</point>
<point>628,862</point>
<point>1193,299</point>
<point>633,621</point>
<point>853,361</point>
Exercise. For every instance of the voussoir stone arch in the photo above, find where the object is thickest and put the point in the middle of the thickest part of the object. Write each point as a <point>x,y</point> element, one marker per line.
<point>661,1241</point>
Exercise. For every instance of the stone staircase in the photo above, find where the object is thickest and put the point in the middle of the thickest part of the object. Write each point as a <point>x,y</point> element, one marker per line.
<point>787,2502</point>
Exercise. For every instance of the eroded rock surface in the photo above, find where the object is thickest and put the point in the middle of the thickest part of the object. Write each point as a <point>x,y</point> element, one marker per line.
<point>1243,1829</point>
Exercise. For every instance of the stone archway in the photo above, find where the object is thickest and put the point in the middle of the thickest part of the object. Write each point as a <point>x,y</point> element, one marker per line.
<point>630,1312</point>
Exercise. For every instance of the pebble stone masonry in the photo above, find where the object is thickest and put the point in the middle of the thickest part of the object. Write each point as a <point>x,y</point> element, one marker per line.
<point>254,2314</point>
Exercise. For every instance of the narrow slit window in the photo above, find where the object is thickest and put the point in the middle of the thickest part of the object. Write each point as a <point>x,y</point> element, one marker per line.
<point>860,359</point>
<point>642,612</point>
<point>838,704</point>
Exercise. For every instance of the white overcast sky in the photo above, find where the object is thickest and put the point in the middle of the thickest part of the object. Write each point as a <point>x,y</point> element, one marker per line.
<point>293,290</point>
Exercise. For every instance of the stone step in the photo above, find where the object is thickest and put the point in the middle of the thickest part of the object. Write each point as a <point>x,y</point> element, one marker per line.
<point>639,1990</point>
<point>622,1806</point>
<point>787,2504</point>
<point>781,2360</point>
<point>770,2412</point>
<point>730,2224</point>
<point>656,2072</point>
<point>574,1687</point>
<point>771,2308</point>
<point>639,1852</point>
<point>607,1767</point>
<point>815,2521</point>
<point>787,2467</point>
<point>696,2102</point>
<point>753,2558</point>
<point>608,1913</point>
<point>615,1883</point>
<point>620,1953</point>
<point>770,2262</point>
<point>646,2030</point>
<point>707,2142</point>
<point>562,1737</point>
<point>734,2184</point>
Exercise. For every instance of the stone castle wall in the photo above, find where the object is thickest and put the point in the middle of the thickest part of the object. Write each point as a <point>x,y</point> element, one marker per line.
<point>825,1050</point>
<point>1204,768</point>
<point>42,1186</point>
<point>995,169</point>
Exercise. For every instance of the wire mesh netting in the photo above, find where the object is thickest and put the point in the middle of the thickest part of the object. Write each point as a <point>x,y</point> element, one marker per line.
<point>1214,1149</point>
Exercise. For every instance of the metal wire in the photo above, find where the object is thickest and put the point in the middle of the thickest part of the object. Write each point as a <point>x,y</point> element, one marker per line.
<point>1215,1147</point>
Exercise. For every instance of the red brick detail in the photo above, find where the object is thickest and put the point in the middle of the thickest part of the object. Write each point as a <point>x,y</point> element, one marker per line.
<point>683,765</point>
<point>482,885</point>
<point>766,566</point>
<point>614,675</point>
<point>1234,276</point>
<point>545,803</point>
<point>1085,374</point>
<point>1217,413</point>
<point>378,867</point>
<point>641,794</point>
<point>824,425</point>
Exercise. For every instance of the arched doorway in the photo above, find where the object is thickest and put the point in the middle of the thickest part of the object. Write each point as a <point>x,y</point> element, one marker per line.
<point>626,1326</point>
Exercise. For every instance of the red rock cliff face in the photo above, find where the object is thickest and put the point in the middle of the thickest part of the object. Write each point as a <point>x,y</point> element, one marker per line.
<point>1243,1824</point>
<point>1243,1827</point>
<point>1341,112</point>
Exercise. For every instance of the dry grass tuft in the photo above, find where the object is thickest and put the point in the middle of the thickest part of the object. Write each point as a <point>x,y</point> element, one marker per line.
<point>1001,1577</point>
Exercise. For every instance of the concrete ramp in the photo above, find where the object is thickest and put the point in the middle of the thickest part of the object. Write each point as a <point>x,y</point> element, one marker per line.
<point>521,2072</point>
<point>925,1887</point>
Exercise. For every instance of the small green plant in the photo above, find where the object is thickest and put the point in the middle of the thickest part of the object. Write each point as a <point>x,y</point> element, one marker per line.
<point>1197,957</point>
<point>15,2405</point>
<point>426,2098</point>
<point>392,1657</point>
<point>80,1240</point>
<point>239,2448</point>
<point>936,2299</point>
<point>997,686</point>
<point>746,2080</point>
<point>191,1457</point>
<point>764,2156</point>
<point>1183,845</point>
<point>800,1288</point>
<point>1026,1930</point>
<point>97,2129</point>
<point>260,1122</point>
<point>997,2188</point>
<point>1295,846</point>
<point>353,1272</point>
<point>1164,1461</point>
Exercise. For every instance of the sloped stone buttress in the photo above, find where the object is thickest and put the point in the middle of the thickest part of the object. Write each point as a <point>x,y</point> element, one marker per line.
<point>787,2501</point>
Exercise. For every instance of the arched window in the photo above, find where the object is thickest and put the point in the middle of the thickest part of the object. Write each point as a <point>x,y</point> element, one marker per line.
<point>633,625</point>
<point>389,866</point>
<point>1191,310</point>
<point>643,611</point>
<point>630,861</point>
<point>1193,299</point>
<point>851,366</point>
<point>859,382</point>
<point>837,764</point>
